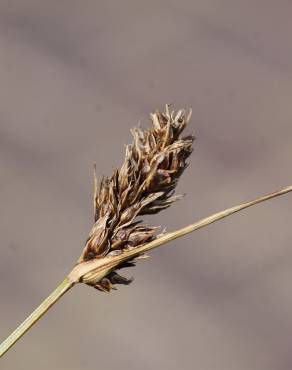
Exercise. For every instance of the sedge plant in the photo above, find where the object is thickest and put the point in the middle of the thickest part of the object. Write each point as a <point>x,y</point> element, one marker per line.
<point>144,184</point>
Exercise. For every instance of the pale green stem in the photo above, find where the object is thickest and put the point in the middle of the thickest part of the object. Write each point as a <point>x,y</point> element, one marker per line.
<point>94,270</point>
<point>36,315</point>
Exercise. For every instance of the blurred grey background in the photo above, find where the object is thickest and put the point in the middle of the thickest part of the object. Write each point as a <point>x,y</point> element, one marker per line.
<point>75,77</point>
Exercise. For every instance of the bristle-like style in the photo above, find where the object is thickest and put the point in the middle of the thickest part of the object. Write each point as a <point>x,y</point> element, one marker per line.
<point>144,185</point>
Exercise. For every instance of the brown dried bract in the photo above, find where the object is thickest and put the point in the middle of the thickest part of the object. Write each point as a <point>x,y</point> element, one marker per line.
<point>144,185</point>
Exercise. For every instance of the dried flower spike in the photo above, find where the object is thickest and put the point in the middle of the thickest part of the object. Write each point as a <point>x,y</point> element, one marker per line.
<point>144,185</point>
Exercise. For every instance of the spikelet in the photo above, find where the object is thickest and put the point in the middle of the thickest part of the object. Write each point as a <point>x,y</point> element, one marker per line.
<point>145,184</point>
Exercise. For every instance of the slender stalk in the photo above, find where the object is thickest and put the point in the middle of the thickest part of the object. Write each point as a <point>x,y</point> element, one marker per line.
<point>95,270</point>
<point>36,315</point>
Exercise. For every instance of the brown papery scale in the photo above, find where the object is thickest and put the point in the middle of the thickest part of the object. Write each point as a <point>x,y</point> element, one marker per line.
<point>144,185</point>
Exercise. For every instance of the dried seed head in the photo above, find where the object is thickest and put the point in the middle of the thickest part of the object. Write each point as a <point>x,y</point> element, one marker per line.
<point>144,185</point>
